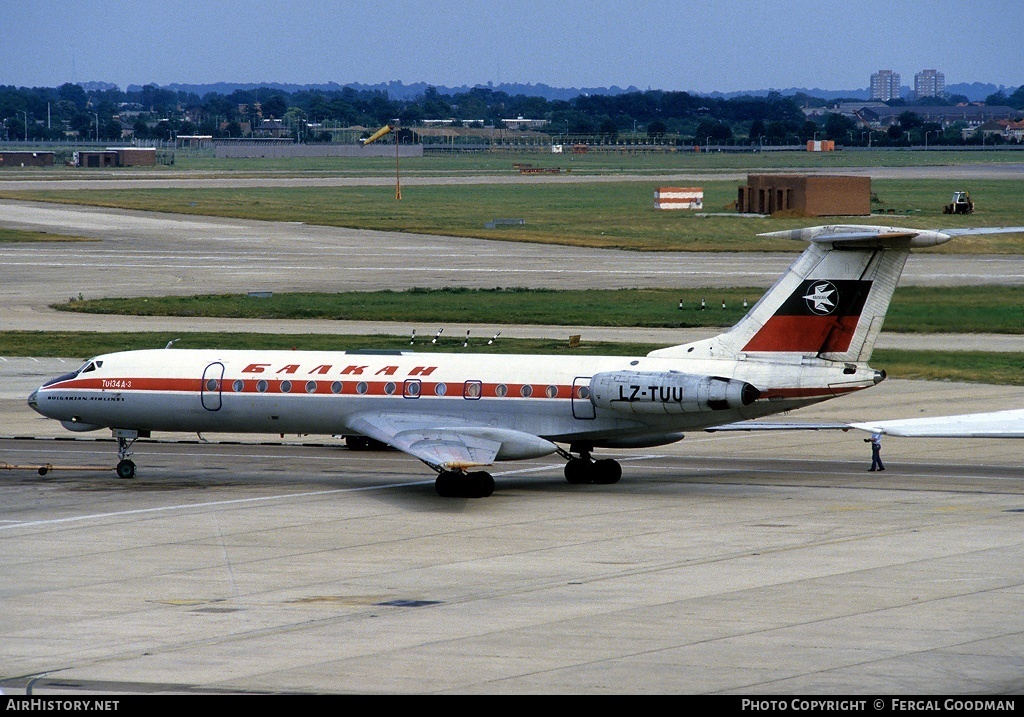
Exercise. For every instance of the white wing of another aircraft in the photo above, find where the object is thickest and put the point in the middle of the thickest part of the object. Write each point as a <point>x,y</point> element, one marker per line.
<point>997,424</point>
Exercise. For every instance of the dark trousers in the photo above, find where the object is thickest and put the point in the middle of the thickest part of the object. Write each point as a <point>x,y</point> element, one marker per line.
<point>876,457</point>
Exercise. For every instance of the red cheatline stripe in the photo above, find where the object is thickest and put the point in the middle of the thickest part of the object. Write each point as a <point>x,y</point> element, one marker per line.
<point>299,386</point>
<point>373,388</point>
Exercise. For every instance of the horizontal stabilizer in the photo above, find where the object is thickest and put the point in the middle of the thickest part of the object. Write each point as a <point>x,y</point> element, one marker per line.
<point>871,235</point>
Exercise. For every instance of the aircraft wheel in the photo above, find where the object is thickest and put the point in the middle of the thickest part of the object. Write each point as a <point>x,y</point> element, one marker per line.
<point>445,485</point>
<point>607,471</point>
<point>357,443</point>
<point>451,484</point>
<point>577,471</point>
<point>125,469</point>
<point>480,484</point>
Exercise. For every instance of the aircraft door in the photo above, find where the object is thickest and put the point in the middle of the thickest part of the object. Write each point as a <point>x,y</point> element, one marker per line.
<point>210,389</point>
<point>582,406</point>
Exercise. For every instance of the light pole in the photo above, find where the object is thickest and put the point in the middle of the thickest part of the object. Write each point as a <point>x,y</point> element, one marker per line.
<point>26,124</point>
<point>96,115</point>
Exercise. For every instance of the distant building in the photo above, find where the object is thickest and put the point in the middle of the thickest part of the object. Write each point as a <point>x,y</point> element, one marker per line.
<point>971,115</point>
<point>116,157</point>
<point>885,85</point>
<point>272,128</point>
<point>1013,131</point>
<point>810,196</point>
<point>929,83</point>
<point>26,159</point>
<point>521,123</point>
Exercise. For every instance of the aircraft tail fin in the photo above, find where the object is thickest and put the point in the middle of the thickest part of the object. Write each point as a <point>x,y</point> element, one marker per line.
<point>830,303</point>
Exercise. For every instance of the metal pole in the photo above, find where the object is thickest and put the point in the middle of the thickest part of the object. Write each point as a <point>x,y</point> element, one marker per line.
<point>398,176</point>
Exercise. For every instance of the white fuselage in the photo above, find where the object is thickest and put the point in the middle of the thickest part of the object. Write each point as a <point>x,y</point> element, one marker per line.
<point>319,392</point>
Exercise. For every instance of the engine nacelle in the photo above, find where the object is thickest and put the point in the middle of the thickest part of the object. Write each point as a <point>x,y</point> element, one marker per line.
<point>669,392</point>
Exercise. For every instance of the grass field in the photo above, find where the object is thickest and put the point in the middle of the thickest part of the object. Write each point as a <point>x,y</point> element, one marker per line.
<point>606,214</point>
<point>627,160</point>
<point>973,309</point>
<point>20,235</point>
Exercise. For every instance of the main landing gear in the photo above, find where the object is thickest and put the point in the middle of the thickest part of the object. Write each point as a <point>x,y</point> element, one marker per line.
<point>364,443</point>
<point>586,470</point>
<point>459,484</point>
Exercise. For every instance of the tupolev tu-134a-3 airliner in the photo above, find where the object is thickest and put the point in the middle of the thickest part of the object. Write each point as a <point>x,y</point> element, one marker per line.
<point>807,340</point>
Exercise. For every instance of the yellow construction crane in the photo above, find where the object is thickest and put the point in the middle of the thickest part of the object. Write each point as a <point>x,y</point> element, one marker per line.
<point>386,129</point>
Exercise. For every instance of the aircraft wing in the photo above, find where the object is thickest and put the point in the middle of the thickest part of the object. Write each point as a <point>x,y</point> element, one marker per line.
<point>775,426</point>
<point>446,443</point>
<point>998,424</point>
<point>981,230</point>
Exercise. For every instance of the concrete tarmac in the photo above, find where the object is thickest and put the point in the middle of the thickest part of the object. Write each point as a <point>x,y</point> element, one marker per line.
<point>729,563</point>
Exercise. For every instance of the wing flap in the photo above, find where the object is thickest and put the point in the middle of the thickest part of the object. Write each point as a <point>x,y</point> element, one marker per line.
<point>441,443</point>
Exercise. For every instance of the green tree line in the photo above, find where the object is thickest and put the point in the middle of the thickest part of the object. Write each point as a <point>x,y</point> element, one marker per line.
<point>41,113</point>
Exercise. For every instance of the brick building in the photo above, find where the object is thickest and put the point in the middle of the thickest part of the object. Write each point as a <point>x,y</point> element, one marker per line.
<point>26,159</point>
<point>812,196</point>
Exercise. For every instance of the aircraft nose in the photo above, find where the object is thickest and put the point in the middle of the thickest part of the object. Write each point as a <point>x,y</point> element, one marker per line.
<point>33,401</point>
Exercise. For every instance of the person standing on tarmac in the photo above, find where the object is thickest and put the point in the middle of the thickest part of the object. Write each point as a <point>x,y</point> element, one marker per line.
<point>876,452</point>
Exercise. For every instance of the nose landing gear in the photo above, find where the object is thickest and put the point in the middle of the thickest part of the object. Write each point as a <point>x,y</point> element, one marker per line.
<point>125,466</point>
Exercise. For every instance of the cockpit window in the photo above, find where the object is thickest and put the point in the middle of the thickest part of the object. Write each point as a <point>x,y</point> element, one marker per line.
<point>90,366</point>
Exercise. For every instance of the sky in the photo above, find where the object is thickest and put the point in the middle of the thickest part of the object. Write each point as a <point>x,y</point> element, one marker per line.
<point>707,46</point>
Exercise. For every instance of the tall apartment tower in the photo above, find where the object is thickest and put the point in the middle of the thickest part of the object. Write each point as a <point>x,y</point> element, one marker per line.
<point>885,85</point>
<point>929,83</point>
